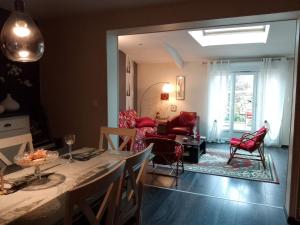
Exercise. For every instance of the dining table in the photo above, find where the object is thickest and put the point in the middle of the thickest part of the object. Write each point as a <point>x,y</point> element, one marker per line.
<point>43,202</point>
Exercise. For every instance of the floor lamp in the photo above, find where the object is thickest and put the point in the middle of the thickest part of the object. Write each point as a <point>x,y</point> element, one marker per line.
<point>166,89</point>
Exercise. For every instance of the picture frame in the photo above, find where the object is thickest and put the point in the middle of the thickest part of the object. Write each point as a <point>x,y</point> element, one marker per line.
<point>180,88</point>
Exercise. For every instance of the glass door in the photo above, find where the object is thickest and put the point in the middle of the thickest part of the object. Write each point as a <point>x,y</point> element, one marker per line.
<point>243,102</point>
<point>241,98</point>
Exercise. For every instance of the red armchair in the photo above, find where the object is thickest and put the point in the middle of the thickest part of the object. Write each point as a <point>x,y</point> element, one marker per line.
<point>249,142</point>
<point>167,152</point>
<point>183,124</point>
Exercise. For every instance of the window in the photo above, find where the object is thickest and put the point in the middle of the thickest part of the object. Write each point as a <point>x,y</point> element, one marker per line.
<point>231,35</point>
<point>240,110</point>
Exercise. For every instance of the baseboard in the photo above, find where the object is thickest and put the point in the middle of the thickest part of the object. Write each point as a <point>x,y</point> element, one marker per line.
<point>284,146</point>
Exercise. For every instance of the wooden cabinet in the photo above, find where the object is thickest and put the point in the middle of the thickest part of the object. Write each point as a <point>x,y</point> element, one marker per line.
<point>13,126</point>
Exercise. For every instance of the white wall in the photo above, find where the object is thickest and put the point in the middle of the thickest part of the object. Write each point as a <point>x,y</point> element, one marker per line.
<point>195,95</point>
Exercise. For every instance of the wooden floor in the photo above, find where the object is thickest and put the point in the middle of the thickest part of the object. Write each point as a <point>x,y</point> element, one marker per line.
<point>208,199</point>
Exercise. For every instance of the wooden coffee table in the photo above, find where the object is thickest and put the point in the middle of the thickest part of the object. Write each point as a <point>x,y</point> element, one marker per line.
<point>192,148</point>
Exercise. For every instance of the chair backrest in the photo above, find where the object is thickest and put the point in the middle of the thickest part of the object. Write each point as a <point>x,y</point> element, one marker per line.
<point>127,135</point>
<point>25,142</point>
<point>164,150</point>
<point>108,184</point>
<point>134,180</point>
<point>260,135</point>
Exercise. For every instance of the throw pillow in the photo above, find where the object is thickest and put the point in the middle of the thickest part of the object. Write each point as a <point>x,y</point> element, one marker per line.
<point>145,122</point>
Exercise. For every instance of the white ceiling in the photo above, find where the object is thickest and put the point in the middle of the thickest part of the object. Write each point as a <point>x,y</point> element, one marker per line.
<point>149,48</point>
<point>52,8</point>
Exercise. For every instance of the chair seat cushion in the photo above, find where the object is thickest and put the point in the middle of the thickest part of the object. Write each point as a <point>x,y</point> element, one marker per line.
<point>180,130</point>
<point>248,145</point>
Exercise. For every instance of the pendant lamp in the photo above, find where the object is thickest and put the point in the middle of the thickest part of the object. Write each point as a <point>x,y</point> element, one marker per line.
<point>21,40</point>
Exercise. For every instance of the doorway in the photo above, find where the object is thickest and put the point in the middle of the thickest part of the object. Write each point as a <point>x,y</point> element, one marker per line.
<point>112,74</point>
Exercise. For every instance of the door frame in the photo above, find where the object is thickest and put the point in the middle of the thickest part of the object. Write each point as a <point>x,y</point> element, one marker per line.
<point>292,205</point>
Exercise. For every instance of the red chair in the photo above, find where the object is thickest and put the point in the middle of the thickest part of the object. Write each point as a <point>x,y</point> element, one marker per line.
<point>249,142</point>
<point>183,124</point>
<point>167,152</point>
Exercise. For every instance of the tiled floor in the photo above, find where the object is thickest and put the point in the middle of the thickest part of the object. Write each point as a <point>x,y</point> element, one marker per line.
<point>207,199</point>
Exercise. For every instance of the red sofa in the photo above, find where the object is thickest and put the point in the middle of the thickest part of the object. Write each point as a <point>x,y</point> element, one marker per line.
<point>143,125</point>
<point>183,124</point>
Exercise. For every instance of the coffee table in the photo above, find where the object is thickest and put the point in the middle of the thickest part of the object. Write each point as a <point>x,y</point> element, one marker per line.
<point>193,147</point>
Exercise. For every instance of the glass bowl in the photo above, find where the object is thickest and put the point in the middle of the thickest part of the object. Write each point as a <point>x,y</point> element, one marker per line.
<point>27,160</point>
<point>24,160</point>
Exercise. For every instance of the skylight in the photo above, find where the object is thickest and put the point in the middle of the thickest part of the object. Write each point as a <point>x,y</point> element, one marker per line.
<point>231,35</point>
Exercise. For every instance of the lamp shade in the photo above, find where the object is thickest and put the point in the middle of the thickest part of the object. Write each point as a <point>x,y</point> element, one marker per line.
<point>21,40</point>
<point>167,88</point>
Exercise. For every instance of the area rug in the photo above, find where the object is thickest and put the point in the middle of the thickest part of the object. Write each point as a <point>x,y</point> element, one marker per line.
<point>215,162</point>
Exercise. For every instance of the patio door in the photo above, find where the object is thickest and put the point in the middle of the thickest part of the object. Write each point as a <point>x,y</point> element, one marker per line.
<point>241,102</point>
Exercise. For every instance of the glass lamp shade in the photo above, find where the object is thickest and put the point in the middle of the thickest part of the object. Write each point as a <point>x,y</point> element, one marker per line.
<point>21,40</point>
<point>167,88</point>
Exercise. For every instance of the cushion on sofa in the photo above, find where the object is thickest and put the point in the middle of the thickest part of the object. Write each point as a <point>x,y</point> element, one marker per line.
<point>127,119</point>
<point>145,122</point>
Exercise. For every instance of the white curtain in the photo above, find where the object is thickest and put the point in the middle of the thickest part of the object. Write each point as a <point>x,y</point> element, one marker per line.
<point>271,88</point>
<point>218,80</point>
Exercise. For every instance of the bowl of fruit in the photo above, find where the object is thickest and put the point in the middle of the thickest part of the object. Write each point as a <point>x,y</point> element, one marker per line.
<point>36,159</point>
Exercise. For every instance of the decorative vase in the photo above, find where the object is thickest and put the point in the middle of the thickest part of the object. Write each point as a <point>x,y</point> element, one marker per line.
<point>10,104</point>
<point>2,109</point>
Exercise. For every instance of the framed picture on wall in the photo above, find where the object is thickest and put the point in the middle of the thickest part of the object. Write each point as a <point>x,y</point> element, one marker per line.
<point>180,88</point>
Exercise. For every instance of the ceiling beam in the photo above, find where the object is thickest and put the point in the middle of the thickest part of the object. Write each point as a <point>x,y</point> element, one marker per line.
<point>174,55</point>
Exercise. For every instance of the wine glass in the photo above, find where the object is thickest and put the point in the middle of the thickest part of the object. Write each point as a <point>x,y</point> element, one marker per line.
<point>70,140</point>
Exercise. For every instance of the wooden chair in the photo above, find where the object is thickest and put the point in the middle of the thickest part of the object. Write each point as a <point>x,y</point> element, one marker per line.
<point>25,141</point>
<point>130,199</point>
<point>249,142</point>
<point>127,135</point>
<point>108,185</point>
<point>167,152</point>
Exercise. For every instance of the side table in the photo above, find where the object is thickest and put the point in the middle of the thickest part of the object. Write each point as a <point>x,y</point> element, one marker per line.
<point>192,147</point>
<point>162,126</point>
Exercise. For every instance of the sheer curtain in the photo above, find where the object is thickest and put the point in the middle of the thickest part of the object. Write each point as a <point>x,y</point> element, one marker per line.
<point>218,80</point>
<point>271,89</point>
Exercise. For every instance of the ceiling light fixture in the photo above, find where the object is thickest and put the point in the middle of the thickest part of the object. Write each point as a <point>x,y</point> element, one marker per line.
<point>21,40</point>
<point>231,35</point>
